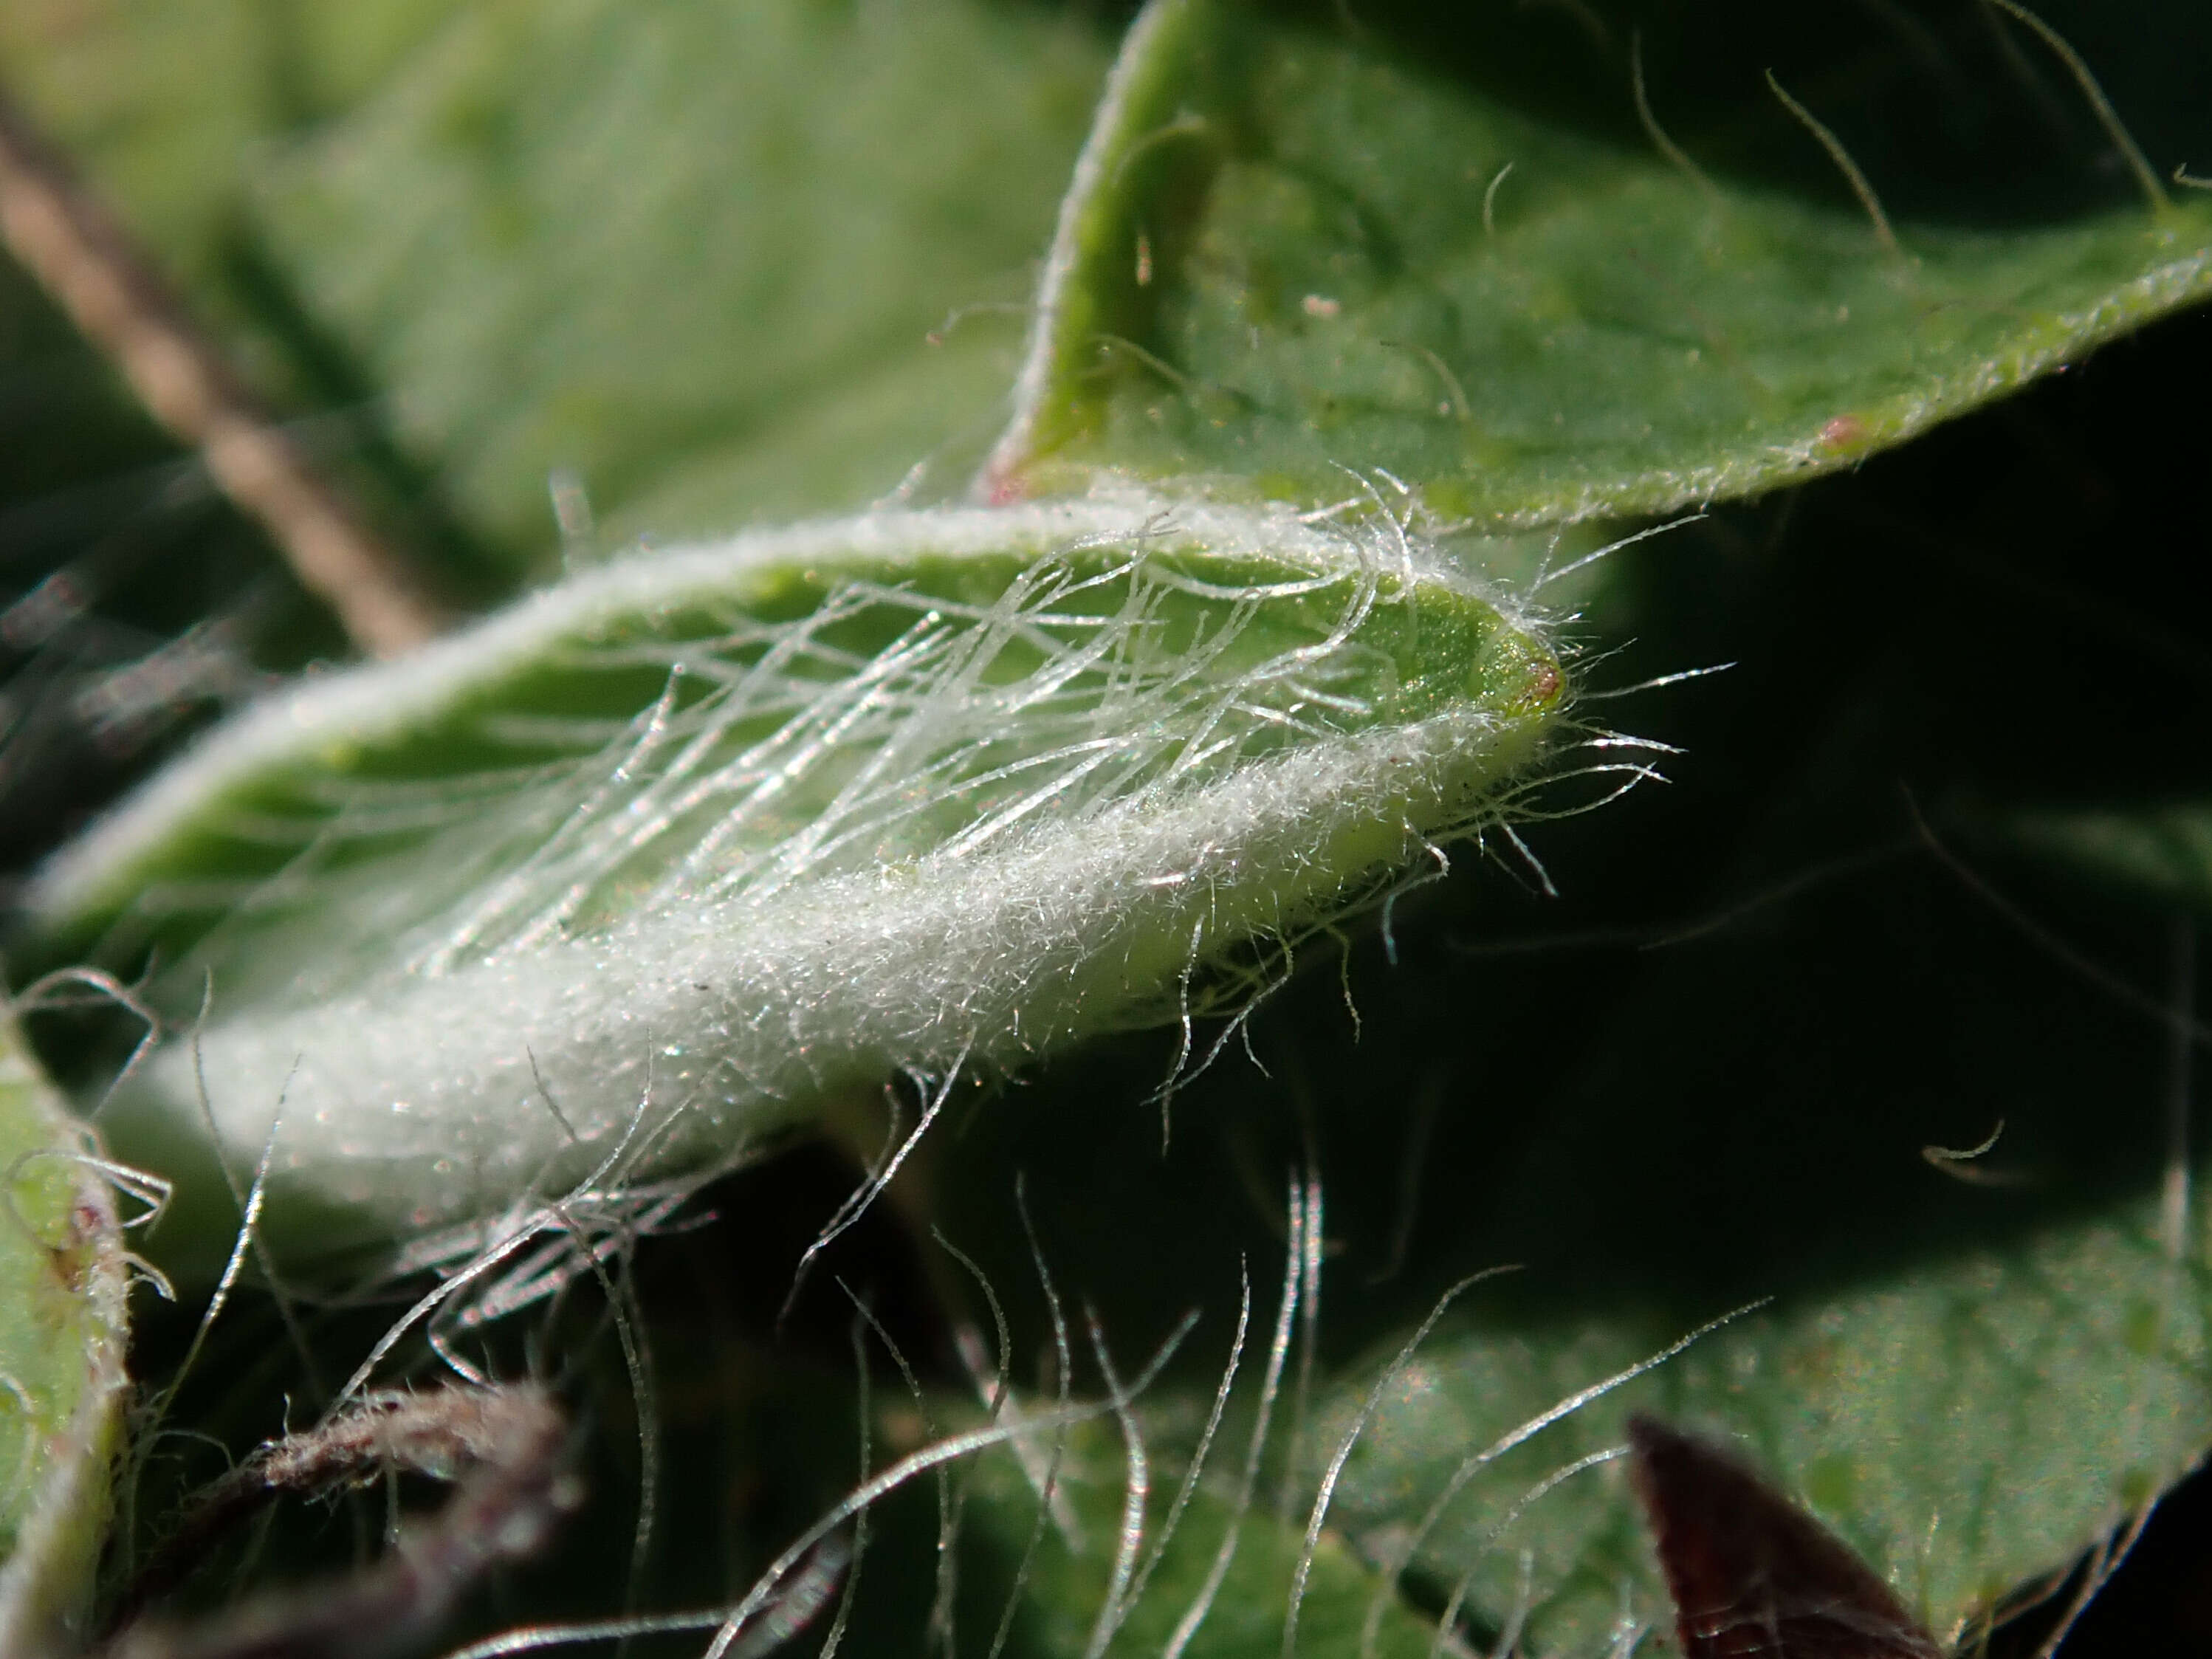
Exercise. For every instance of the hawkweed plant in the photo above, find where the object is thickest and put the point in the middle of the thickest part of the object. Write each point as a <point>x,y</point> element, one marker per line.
<point>1039,829</point>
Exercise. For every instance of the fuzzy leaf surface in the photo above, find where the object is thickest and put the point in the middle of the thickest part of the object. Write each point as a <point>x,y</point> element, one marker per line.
<point>1441,246</point>
<point>62,1384</point>
<point>731,829</point>
<point>1972,1371</point>
<point>1704,1069</point>
<point>1965,1431</point>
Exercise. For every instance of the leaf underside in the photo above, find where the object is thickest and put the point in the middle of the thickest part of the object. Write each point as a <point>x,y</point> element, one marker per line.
<point>680,853</point>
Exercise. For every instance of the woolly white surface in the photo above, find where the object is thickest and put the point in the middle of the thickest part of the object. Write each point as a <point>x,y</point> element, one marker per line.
<point>386,700</point>
<point>420,1105</point>
<point>695,1024</point>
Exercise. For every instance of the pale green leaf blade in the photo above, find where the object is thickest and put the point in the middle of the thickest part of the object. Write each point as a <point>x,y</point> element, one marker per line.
<point>63,1387</point>
<point>164,100</point>
<point>660,861</point>
<point>1320,243</point>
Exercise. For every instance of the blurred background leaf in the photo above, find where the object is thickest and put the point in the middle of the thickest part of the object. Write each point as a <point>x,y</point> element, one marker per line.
<point>706,264</point>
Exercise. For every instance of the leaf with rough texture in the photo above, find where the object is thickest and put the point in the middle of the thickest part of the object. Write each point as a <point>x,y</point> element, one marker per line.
<point>1439,245</point>
<point>62,1385</point>
<point>659,861</point>
<point>1708,1071</point>
<point>1971,1373</point>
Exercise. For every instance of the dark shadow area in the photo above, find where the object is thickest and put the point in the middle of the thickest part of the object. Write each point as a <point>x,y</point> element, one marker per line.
<point>135,604</point>
<point>1957,113</point>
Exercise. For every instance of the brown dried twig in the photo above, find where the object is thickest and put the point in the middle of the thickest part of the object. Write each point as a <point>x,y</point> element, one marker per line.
<point>505,1447</point>
<point>94,268</point>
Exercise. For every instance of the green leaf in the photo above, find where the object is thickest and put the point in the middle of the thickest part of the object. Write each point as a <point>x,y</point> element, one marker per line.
<point>1443,249</point>
<point>164,100</point>
<point>63,1388</point>
<point>1966,1429</point>
<point>1972,1370</point>
<point>714,267</point>
<point>1658,1136</point>
<point>1063,1609</point>
<point>1704,1071</point>
<point>703,259</point>
<point>165,109</point>
<point>1975,1362</point>
<point>660,861</point>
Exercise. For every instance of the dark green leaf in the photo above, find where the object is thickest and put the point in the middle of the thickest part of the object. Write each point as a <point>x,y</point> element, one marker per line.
<point>2160,854</point>
<point>1443,249</point>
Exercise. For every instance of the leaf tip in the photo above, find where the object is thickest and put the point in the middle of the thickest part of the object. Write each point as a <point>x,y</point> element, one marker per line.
<point>1749,1571</point>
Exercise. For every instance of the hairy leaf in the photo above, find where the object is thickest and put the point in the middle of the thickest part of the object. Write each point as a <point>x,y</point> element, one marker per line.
<point>659,861</point>
<point>1440,245</point>
<point>1093,1587</point>
<point>1704,1068</point>
<point>1966,1432</point>
<point>62,1384</point>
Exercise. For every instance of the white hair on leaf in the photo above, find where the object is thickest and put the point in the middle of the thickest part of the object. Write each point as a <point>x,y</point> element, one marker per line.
<point>683,846</point>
